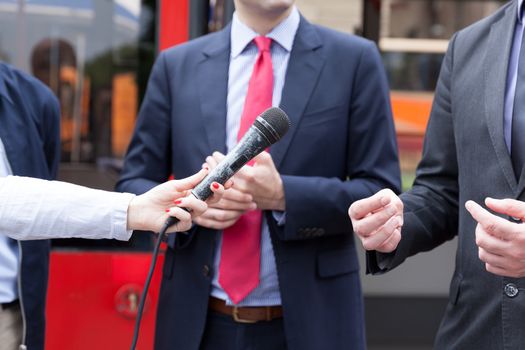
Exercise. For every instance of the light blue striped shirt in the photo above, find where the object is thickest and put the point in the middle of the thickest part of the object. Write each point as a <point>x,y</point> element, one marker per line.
<point>242,59</point>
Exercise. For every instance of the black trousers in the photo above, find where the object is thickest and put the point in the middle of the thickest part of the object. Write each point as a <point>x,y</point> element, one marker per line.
<point>223,333</point>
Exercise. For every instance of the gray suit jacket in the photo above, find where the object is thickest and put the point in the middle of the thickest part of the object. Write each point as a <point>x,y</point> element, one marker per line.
<point>465,157</point>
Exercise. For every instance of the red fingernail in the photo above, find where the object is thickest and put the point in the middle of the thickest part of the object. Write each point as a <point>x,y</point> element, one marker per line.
<point>178,201</point>
<point>215,185</point>
<point>167,210</point>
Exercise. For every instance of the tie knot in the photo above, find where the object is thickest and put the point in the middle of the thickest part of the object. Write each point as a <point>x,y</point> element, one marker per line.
<point>263,43</point>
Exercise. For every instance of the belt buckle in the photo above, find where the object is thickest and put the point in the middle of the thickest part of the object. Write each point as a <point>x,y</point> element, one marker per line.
<point>236,317</point>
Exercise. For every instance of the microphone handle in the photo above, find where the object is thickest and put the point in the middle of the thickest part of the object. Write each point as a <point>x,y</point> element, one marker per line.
<point>220,174</point>
<point>253,142</point>
<point>202,191</point>
<point>172,220</point>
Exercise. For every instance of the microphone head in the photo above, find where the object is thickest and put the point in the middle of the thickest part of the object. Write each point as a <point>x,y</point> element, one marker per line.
<point>273,123</point>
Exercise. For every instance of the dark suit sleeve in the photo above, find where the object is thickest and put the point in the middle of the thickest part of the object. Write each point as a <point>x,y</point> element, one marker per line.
<point>51,123</point>
<point>431,206</point>
<point>148,159</point>
<point>318,206</point>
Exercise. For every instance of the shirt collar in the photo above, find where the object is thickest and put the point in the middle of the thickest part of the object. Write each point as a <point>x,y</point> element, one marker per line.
<point>283,33</point>
<point>520,11</point>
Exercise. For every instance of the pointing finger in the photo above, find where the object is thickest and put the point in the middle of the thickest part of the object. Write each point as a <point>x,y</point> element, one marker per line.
<point>492,224</point>
<point>507,206</point>
<point>190,182</point>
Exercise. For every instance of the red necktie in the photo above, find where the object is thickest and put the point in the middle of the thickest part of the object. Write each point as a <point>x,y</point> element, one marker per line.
<point>241,243</point>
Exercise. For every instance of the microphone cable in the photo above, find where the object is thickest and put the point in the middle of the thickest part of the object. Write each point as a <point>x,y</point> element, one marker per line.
<point>169,222</point>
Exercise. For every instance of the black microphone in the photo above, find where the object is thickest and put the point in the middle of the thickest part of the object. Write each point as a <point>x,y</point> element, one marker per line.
<point>268,128</point>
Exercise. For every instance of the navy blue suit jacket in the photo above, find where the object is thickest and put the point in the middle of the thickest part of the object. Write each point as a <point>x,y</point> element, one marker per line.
<point>341,147</point>
<point>30,132</point>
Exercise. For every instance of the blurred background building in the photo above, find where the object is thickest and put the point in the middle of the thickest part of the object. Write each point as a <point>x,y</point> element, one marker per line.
<point>96,56</point>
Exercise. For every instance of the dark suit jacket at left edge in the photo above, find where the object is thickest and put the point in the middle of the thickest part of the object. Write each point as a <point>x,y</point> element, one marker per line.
<point>30,132</point>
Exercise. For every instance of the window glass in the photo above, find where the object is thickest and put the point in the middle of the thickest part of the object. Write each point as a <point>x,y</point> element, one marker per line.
<point>95,55</point>
<point>413,40</point>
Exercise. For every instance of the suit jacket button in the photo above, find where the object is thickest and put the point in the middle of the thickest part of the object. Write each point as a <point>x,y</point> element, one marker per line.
<point>304,232</point>
<point>206,270</point>
<point>511,290</point>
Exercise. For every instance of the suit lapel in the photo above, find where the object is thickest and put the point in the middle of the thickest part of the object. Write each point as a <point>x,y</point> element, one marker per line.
<point>499,41</point>
<point>304,66</point>
<point>212,81</point>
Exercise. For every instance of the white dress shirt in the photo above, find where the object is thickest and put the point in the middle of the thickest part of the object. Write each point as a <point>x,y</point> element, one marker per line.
<point>39,209</point>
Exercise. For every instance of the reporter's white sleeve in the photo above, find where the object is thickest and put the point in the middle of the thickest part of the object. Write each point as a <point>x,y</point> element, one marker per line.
<point>38,209</point>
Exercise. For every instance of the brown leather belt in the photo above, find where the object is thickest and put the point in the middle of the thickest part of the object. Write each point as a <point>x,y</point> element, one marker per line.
<point>246,314</point>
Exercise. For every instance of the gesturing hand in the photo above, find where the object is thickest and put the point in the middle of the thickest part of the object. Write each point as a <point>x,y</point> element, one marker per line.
<point>501,243</point>
<point>377,221</point>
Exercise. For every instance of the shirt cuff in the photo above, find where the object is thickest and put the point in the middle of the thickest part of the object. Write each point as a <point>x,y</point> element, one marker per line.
<point>119,220</point>
<point>280,217</point>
